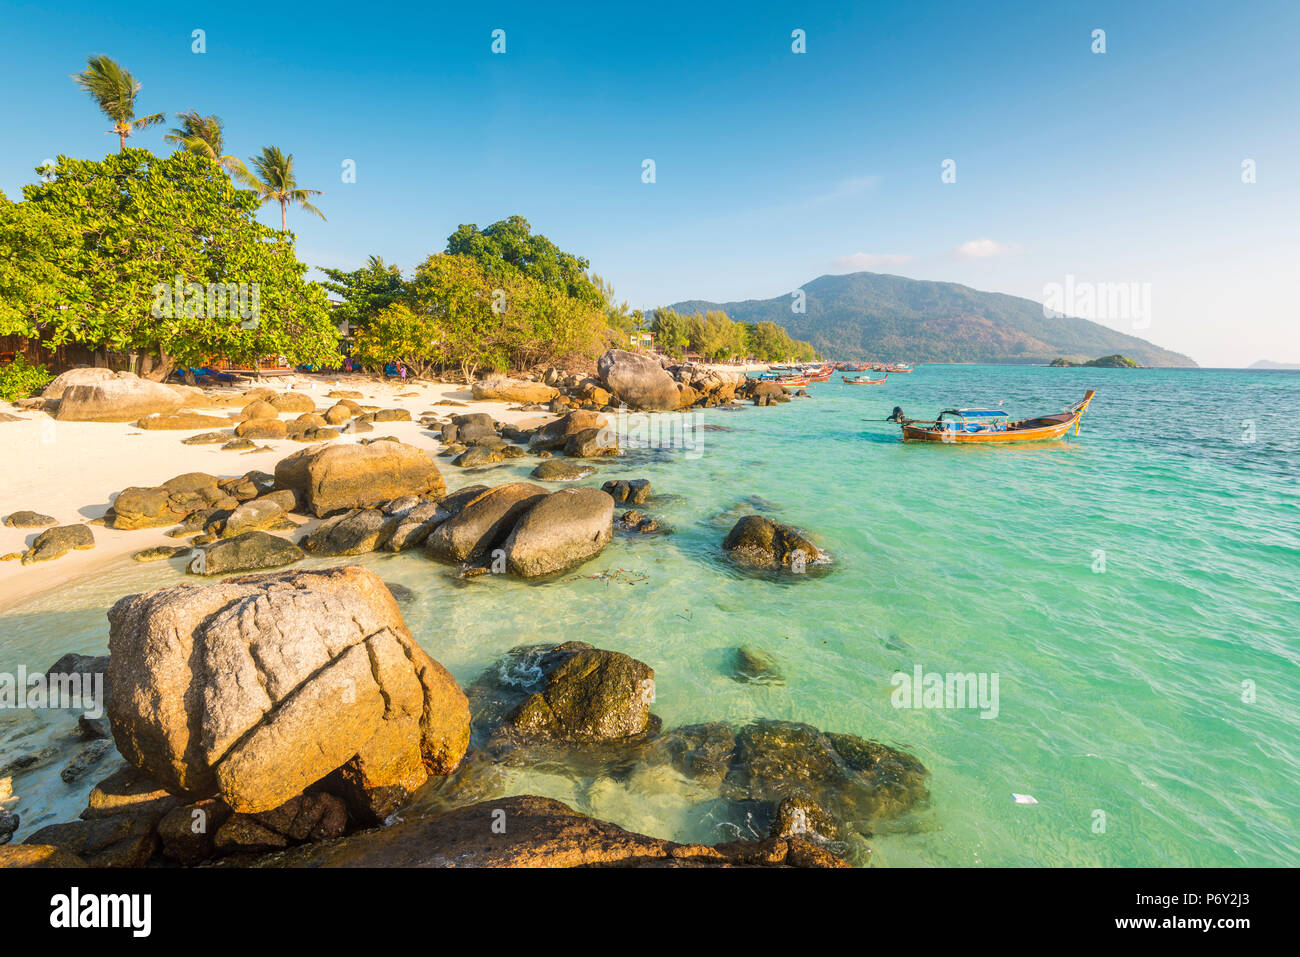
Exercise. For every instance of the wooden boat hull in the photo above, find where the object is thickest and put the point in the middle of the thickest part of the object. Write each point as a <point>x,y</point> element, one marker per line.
<point>1041,429</point>
<point>849,381</point>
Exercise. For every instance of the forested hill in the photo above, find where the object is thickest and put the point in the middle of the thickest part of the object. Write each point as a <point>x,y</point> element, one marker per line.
<point>875,316</point>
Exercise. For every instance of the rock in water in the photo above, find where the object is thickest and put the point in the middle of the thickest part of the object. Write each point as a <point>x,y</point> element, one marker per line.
<point>561,531</point>
<point>588,694</point>
<point>638,380</point>
<point>756,667</point>
<point>562,470</point>
<point>207,699</point>
<point>57,542</point>
<point>629,491</point>
<point>555,434</point>
<point>352,533</point>
<point>358,476</point>
<point>482,522</point>
<point>249,551</point>
<point>762,543</point>
<point>121,397</point>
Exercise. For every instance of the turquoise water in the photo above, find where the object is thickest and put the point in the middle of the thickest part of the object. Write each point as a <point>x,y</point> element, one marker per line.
<point>1122,686</point>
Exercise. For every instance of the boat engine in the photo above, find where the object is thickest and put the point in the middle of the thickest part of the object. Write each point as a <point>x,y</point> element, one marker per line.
<point>896,415</point>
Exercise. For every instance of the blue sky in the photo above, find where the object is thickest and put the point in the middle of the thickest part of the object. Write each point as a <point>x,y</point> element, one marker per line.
<point>772,168</point>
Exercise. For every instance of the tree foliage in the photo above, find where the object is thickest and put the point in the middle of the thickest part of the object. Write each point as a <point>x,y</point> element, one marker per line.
<point>125,253</point>
<point>365,291</point>
<point>509,249</point>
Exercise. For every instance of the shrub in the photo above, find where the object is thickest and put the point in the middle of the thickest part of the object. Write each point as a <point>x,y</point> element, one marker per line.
<point>18,379</point>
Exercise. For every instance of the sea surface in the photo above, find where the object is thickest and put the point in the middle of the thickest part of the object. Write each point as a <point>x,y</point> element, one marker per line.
<point>1136,590</point>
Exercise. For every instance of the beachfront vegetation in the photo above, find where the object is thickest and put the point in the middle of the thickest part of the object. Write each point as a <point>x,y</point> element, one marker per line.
<point>455,313</point>
<point>714,336</point>
<point>19,379</point>
<point>509,249</point>
<point>95,255</point>
<point>114,90</point>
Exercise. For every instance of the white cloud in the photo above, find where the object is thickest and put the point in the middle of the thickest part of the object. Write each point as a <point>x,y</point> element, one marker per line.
<point>984,249</point>
<point>871,261</point>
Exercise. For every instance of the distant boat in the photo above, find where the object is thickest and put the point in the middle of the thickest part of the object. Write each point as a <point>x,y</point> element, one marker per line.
<point>898,369</point>
<point>993,425</point>
<point>861,381</point>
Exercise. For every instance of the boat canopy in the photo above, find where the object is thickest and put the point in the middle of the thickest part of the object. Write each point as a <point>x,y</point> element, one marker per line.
<point>975,413</point>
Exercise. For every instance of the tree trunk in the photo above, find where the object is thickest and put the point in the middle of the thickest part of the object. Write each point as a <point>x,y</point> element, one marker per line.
<point>284,223</point>
<point>160,372</point>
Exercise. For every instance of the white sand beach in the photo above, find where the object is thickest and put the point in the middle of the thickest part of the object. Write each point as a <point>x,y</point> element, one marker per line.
<point>71,470</point>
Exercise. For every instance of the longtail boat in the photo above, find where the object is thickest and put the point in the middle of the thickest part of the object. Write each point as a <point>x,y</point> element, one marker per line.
<point>861,381</point>
<point>993,425</point>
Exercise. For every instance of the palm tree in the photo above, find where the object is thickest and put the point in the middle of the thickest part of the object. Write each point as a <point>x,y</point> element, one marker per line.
<point>203,135</point>
<point>114,89</point>
<point>274,180</point>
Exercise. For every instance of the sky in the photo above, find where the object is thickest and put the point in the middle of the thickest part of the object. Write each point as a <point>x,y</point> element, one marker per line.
<point>1071,169</point>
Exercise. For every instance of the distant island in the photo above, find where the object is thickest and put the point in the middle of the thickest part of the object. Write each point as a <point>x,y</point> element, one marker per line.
<point>1105,362</point>
<point>872,316</point>
<point>1270,364</point>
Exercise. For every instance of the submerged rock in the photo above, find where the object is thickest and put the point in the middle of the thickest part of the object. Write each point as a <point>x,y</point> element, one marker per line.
<point>562,470</point>
<point>751,666</point>
<point>629,491</point>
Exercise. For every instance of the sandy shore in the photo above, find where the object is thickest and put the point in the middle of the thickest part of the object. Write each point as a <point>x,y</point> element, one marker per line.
<point>71,470</point>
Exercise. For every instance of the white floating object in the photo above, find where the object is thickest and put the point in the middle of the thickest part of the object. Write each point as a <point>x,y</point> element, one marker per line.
<point>1023,798</point>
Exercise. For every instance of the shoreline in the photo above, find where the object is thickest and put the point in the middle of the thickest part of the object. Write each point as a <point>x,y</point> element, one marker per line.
<point>75,487</point>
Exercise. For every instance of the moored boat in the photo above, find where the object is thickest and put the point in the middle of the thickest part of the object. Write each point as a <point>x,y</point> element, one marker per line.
<point>955,426</point>
<point>861,381</point>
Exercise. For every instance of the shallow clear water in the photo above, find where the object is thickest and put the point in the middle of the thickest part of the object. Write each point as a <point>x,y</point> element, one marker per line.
<point>1121,687</point>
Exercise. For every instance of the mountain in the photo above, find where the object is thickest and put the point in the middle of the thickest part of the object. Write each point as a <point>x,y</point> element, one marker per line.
<point>1270,364</point>
<point>866,315</point>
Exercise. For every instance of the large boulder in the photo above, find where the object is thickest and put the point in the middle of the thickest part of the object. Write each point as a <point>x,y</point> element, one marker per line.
<point>482,523</point>
<point>207,699</point>
<point>352,533</point>
<point>560,532</point>
<point>85,375</point>
<point>123,397</point>
<point>358,476</point>
<point>638,380</point>
<point>180,421</point>
<point>554,434</point>
<point>513,390</point>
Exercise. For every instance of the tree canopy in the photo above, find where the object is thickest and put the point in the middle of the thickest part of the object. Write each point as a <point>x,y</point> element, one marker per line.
<point>509,248</point>
<point>161,256</point>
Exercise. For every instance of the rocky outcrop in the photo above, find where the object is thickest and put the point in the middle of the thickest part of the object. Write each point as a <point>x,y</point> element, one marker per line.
<point>530,831</point>
<point>560,532</point>
<point>639,381</point>
<point>121,397</point>
<point>513,390</point>
<point>561,470</point>
<point>358,476</point>
<point>629,491</point>
<point>352,533</point>
<point>590,443</point>
<point>555,434</point>
<point>206,699</point>
<point>759,542</point>
<point>169,503</point>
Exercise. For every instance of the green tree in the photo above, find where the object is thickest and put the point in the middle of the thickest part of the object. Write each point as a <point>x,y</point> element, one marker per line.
<point>114,90</point>
<point>671,330</point>
<point>273,179</point>
<point>365,291</point>
<point>510,248</point>
<point>159,256</point>
<point>205,135</point>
